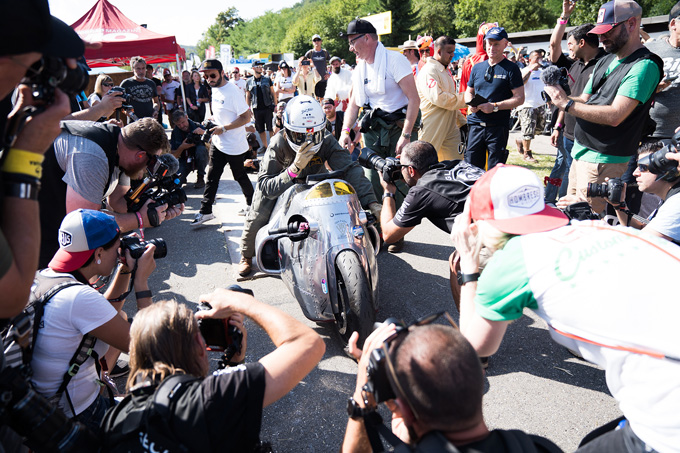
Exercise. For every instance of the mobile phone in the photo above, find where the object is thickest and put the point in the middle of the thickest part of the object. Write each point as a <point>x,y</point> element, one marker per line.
<point>670,78</point>
<point>305,62</point>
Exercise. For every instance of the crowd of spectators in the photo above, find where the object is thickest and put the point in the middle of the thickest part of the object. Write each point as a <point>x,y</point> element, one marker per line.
<point>65,222</point>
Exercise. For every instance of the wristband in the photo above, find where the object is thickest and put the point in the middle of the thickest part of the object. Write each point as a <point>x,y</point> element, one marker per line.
<point>143,294</point>
<point>568,106</point>
<point>562,21</point>
<point>23,190</point>
<point>291,174</point>
<point>346,129</point>
<point>23,162</point>
<point>140,222</point>
<point>559,126</point>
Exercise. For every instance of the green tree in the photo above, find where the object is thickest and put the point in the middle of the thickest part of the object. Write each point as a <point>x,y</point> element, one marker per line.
<point>404,19</point>
<point>513,15</point>
<point>435,18</point>
<point>218,33</point>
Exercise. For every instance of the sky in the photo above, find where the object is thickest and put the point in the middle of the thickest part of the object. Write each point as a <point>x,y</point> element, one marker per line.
<point>170,17</point>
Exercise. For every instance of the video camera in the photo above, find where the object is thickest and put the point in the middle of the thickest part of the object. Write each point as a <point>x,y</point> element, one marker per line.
<point>218,334</point>
<point>50,73</point>
<point>390,168</point>
<point>136,246</point>
<point>657,163</point>
<point>162,185</point>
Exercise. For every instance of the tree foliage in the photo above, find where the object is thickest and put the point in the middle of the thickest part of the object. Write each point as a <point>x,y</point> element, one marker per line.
<point>435,18</point>
<point>404,18</point>
<point>218,33</point>
<point>513,15</point>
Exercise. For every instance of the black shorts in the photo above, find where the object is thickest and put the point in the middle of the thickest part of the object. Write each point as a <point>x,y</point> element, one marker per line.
<point>263,119</point>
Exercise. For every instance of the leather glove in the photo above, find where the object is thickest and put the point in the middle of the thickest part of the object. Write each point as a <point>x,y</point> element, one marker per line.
<point>304,155</point>
<point>376,209</point>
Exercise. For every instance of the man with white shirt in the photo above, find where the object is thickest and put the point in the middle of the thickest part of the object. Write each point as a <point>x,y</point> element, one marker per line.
<point>238,81</point>
<point>532,112</point>
<point>339,84</point>
<point>228,143</point>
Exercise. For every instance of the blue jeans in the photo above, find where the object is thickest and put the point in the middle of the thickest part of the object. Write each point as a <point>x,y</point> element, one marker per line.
<point>94,414</point>
<point>560,170</point>
<point>483,138</point>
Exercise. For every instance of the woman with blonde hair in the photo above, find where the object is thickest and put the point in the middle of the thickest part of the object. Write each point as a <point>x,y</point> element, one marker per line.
<point>102,86</point>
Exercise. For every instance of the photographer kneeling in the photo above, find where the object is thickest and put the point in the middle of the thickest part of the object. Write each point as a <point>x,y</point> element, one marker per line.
<point>186,145</point>
<point>218,412</point>
<point>78,315</point>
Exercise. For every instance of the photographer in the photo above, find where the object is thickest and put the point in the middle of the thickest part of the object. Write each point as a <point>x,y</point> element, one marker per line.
<point>95,161</point>
<point>552,273</point>
<point>89,248</point>
<point>302,148</point>
<point>435,398</point>
<point>187,147</point>
<point>665,220</point>
<point>21,160</point>
<point>225,407</point>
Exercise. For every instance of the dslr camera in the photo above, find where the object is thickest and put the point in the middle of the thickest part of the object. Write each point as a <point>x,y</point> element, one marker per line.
<point>218,334</point>
<point>389,168</point>
<point>127,97</point>
<point>136,246</point>
<point>612,190</point>
<point>658,164</point>
<point>207,125</point>
<point>50,73</point>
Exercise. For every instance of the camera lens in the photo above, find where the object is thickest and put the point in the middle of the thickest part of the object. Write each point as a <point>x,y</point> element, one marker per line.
<point>597,190</point>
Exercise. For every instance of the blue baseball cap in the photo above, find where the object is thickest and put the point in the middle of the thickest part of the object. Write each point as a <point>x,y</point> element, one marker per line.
<point>613,13</point>
<point>496,33</point>
<point>80,233</point>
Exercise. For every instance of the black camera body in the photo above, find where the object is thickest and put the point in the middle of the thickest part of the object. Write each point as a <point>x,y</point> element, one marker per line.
<point>127,97</point>
<point>657,163</point>
<point>207,125</point>
<point>379,384</point>
<point>136,246</point>
<point>160,187</point>
<point>218,334</point>
<point>195,139</point>
<point>612,190</point>
<point>50,73</point>
<point>389,168</point>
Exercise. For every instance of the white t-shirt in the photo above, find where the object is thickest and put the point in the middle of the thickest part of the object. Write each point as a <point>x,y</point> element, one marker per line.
<point>285,82</point>
<point>532,90</point>
<point>94,97</point>
<point>339,85</point>
<point>227,105</point>
<point>241,84</point>
<point>396,68</point>
<point>667,220</point>
<point>71,313</point>
<point>168,90</point>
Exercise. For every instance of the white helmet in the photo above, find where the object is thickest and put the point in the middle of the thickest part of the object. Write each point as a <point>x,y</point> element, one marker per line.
<point>304,120</point>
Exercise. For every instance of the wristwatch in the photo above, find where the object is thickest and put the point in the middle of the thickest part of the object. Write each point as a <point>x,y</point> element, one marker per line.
<point>354,411</point>
<point>569,104</point>
<point>466,278</point>
<point>495,107</point>
<point>406,135</point>
<point>388,195</point>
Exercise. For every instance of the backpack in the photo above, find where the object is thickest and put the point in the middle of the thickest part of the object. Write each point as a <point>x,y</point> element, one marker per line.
<point>20,334</point>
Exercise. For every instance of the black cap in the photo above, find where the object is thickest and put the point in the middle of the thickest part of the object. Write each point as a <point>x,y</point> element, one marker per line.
<point>283,64</point>
<point>257,63</point>
<point>211,64</point>
<point>357,27</point>
<point>46,34</point>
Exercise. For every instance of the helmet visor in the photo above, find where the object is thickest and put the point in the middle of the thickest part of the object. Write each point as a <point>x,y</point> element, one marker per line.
<point>298,138</point>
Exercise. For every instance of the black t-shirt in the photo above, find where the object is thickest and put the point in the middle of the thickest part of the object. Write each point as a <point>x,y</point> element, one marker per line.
<point>320,60</point>
<point>506,77</point>
<point>510,441</point>
<point>142,95</point>
<point>439,195</point>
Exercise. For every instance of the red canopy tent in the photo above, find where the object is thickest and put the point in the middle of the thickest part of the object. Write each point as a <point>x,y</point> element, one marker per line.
<point>123,39</point>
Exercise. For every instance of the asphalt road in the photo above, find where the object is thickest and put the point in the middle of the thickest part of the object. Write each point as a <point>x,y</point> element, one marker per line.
<point>532,383</point>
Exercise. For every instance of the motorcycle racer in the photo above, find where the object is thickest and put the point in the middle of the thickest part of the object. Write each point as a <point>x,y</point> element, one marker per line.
<point>302,148</point>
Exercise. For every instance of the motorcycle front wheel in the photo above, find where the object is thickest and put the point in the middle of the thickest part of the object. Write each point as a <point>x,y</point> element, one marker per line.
<point>356,312</point>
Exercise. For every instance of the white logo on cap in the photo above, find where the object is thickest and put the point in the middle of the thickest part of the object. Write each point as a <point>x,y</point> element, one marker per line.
<point>600,15</point>
<point>524,197</point>
<point>65,238</point>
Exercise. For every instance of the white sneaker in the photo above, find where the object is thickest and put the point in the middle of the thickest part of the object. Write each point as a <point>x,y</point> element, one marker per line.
<point>200,219</point>
<point>244,211</point>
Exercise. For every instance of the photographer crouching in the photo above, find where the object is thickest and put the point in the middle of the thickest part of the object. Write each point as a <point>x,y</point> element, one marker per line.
<point>187,146</point>
<point>218,412</point>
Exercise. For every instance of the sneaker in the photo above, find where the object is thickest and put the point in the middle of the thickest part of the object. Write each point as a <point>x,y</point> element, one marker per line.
<point>121,369</point>
<point>244,211</point>
<point>397,246</point>
<point>200,183</point>
<point>245,266</point>
<point>200,219</point>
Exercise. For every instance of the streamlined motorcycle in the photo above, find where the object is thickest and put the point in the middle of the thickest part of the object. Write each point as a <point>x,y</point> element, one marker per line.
<point>323,245</point>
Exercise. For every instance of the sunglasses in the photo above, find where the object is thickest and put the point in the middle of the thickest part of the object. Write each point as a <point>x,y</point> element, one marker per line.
<point>488,75</point>
<point>352,41</point>
<point>210,76</point>
<point>643,167</point>
<point>107,84</point>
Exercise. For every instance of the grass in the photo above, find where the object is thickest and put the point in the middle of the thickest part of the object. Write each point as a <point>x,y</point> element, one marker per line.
<point>542,168</point>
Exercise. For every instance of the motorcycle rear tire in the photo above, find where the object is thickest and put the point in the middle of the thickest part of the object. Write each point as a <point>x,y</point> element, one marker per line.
<point>354,299</point>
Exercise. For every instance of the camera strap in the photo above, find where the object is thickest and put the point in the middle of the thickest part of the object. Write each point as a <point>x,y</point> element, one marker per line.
<point>375,428</point>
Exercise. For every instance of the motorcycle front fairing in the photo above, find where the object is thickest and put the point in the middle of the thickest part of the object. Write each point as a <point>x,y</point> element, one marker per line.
<point>337,222</point>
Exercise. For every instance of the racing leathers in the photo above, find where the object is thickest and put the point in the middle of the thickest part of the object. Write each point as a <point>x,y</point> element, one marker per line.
<point>274,179</point>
